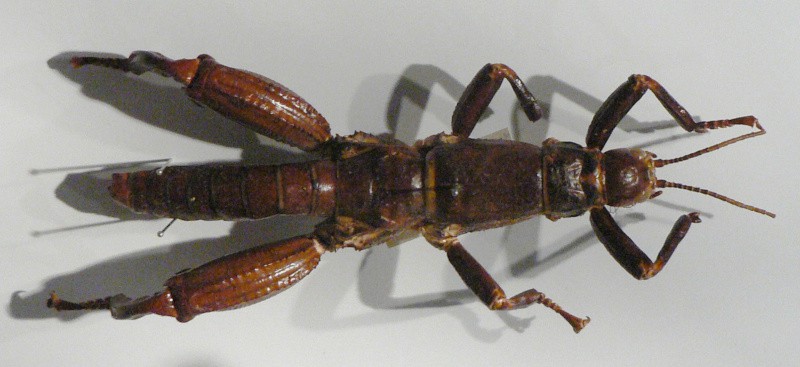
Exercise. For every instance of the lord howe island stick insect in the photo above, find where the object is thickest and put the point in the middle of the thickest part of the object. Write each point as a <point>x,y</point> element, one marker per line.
<point>371,188</point>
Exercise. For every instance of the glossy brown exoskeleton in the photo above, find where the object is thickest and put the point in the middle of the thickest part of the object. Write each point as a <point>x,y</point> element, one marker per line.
<point>371,188</point>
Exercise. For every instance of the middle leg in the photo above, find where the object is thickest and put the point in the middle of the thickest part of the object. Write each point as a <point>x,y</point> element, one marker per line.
<point>480,92</point>
<point>488,290</point>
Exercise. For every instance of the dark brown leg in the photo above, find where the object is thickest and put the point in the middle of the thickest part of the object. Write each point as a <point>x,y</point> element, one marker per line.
<point>623,98</point>
<point>480,92</point>
<point>487,289</point>
<point>625,251</point>
<point>253,100</point>
<point>228,282</point>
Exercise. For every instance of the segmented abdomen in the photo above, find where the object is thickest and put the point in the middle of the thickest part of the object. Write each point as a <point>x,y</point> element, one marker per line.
<point>229,191</point>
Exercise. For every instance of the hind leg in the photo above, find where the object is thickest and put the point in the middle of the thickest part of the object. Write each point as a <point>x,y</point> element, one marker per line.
<point>253,100</point>
<point>228,282</point>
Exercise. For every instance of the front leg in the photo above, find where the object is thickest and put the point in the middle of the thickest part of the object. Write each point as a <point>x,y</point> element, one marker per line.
<point>232,281</point>
<point>480,92</point>
<point>251,99</point>
<point>626,95</point>
<point>627,253</point>
<point>486,288</point>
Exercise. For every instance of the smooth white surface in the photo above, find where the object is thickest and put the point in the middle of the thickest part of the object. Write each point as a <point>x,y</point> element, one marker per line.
<point>728,297</point>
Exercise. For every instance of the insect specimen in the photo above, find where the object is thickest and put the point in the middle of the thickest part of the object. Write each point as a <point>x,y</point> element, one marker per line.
<point>370,188</point>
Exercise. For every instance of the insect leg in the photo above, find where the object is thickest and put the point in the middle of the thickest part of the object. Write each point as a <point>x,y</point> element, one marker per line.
<point>490,293</point>
<point>231,281</point>
<point>480,92</point>
<point>253,100</point>
<point>623,98</point>
<point>627,253</point>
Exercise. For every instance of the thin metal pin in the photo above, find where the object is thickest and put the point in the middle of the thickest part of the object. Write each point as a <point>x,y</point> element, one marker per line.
<point>161,232</point>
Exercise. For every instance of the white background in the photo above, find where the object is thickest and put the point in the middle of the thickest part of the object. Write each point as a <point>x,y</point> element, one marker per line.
<point>728,297</point>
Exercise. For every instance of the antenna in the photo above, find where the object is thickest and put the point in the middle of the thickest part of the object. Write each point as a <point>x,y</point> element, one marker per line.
<point>663,162</point>
<point>664,184</point>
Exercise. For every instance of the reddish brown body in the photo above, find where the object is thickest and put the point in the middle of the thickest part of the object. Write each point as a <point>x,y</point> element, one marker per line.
<point>372,188</point>
<point>229,191</point>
